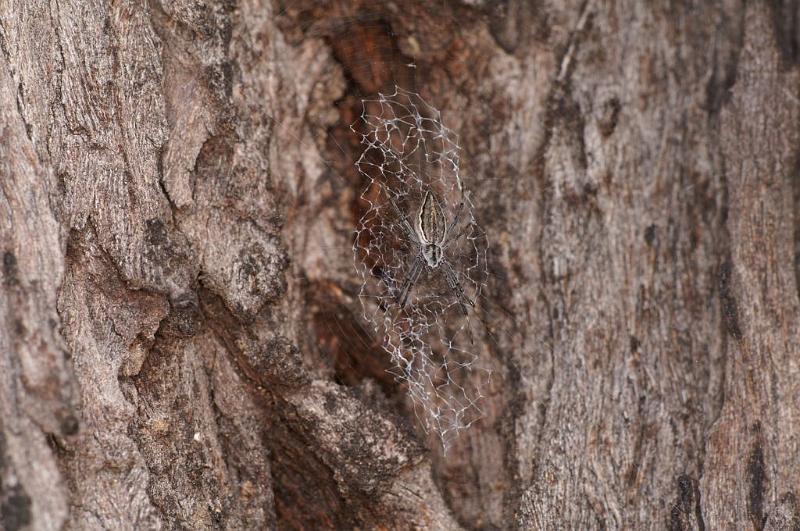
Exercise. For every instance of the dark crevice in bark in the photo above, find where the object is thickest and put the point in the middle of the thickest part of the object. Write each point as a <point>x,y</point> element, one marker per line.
<point>337,334</point>
<point>305,489</point>
<point>306,496</point>
<point>786,25</point>
<point>376,67</point>
<point>545,403</point>
<point>369,56</point>
<point>10,269</point>
<point>679,515</point>
<point>15,508</point>
<point>757,479</point>
<point>160,180</point>
<point>794,178</point>
<point>15,503</point>
<point>728,304</point>
<point>728,43</point>
<point>698,508</point>
<point>363,41</point>
<point>20,104</point>
<point>730,309</point>
<point>3,48</point>
<point>607,121</point>
<point>274,365</point>
<point>685,514</point>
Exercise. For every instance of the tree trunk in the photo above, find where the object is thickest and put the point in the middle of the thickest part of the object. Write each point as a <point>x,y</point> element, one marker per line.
<point>181,339</point>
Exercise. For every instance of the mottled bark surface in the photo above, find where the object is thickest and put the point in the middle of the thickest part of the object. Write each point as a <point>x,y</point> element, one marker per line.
<point>181,344</point>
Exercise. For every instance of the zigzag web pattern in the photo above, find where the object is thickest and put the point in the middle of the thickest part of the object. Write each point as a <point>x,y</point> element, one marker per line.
<point>408,153</point>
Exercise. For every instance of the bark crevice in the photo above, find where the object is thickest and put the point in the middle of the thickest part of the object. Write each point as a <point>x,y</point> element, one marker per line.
<point>175,245</point>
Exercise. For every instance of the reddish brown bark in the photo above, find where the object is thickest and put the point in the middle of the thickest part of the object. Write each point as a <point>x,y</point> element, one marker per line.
<point>181,341</point>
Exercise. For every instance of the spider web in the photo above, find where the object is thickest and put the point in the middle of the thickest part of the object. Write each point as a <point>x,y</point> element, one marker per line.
<point>408,152</point>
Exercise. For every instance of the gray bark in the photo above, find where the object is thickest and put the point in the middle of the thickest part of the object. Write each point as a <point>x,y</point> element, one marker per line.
<point>181,344</point>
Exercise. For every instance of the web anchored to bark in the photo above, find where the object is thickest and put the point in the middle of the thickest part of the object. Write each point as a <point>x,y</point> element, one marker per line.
<point>421,256</point>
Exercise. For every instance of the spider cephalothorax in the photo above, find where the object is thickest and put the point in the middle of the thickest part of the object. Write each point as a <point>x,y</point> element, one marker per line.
<point>430,239</point>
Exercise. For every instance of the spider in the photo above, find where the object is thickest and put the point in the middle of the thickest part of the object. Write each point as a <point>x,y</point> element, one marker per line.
<point>431,238</point>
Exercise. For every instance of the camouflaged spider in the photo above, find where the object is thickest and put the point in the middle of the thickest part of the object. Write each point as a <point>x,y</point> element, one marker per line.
<point>431,238</point>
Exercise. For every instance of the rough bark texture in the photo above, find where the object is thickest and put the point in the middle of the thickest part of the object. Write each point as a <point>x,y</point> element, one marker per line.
<point>180,341</point>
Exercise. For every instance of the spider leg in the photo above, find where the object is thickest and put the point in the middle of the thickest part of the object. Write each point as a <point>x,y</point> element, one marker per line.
<point>455,219</point>
<point>410,280</point>
<point>455,285</point>
<point>405,225</point>
<point>452,239</point>
<point>456,237</point>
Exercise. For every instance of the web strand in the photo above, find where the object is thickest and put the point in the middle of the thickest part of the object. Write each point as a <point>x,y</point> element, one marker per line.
<point>421,309</point>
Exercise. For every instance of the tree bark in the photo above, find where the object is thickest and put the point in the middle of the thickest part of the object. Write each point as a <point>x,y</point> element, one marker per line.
<point>181,340</point>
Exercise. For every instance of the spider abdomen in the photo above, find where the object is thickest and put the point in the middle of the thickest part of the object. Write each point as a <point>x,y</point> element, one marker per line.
<point>432,223</point>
